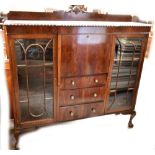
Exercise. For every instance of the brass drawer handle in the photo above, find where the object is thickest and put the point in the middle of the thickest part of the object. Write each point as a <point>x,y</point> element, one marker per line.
<point>95,94</point>
<point>72,97</point>
<point>96,80</point>
<point>93,110</point>
<point>71,113</point>
<point>72,83</point>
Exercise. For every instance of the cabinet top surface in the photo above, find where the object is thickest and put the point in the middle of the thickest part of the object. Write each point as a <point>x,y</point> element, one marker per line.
<point>73,23</point>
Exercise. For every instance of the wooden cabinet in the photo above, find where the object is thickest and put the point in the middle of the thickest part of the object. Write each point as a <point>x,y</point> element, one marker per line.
<point>74,70</point>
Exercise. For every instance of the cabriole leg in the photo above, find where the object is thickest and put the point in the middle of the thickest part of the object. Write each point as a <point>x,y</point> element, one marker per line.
<point>130,124</point>
<point>16,135</point>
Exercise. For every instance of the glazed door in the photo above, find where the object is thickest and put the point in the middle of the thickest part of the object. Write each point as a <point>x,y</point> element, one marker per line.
<point>36,76</point>
<point>125,70</point>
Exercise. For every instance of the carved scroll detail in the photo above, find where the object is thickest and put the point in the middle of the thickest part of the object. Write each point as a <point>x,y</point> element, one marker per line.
<point>77,9</point>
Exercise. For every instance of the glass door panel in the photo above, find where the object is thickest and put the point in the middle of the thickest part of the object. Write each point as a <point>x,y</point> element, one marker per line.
<point>124,72</point>
<point>34,58</point>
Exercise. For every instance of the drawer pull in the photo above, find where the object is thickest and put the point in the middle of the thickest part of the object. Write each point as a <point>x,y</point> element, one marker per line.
<point>72,97</point>
<point>93,110</point>
<point>73,83</point>
<point>95,94</point>
<point>71,113</point>
<point>96,80</point>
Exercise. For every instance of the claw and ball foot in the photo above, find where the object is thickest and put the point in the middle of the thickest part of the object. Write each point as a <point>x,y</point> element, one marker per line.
<point>130,124</point>
<point>16,134</point>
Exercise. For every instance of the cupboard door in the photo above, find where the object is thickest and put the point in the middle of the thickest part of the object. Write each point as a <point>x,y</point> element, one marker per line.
<point>84,54</point>
<point>128,52</point>
<point>35,74</point>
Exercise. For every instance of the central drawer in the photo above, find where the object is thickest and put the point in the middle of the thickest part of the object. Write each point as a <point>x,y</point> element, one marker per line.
<point>81,111</point>
<point>80,96</point>
<point>83,82</point>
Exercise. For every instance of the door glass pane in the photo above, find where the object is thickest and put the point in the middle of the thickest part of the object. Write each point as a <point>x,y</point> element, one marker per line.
<point>34,59</point>
<point>124,72</point>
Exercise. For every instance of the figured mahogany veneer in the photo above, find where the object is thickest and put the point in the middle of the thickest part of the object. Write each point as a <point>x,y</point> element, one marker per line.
<point>84,54</point>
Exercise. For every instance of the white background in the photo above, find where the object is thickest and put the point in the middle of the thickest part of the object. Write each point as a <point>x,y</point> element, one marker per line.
<point>99,135</point>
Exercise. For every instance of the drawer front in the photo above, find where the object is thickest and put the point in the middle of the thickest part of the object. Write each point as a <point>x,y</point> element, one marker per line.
<point>79,96</point>
<point>83,82</point>
<point>81,111</point>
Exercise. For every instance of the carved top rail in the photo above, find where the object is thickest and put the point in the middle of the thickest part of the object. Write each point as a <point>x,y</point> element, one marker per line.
<point>75,15</point>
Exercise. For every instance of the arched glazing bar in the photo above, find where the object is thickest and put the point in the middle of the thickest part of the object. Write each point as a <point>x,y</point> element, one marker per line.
<point>26,65</point>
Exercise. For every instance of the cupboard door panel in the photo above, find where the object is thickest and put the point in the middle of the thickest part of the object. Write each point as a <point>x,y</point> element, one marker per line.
<point>84,54</point>
<point>34,63</point>
<point>127,57</point>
